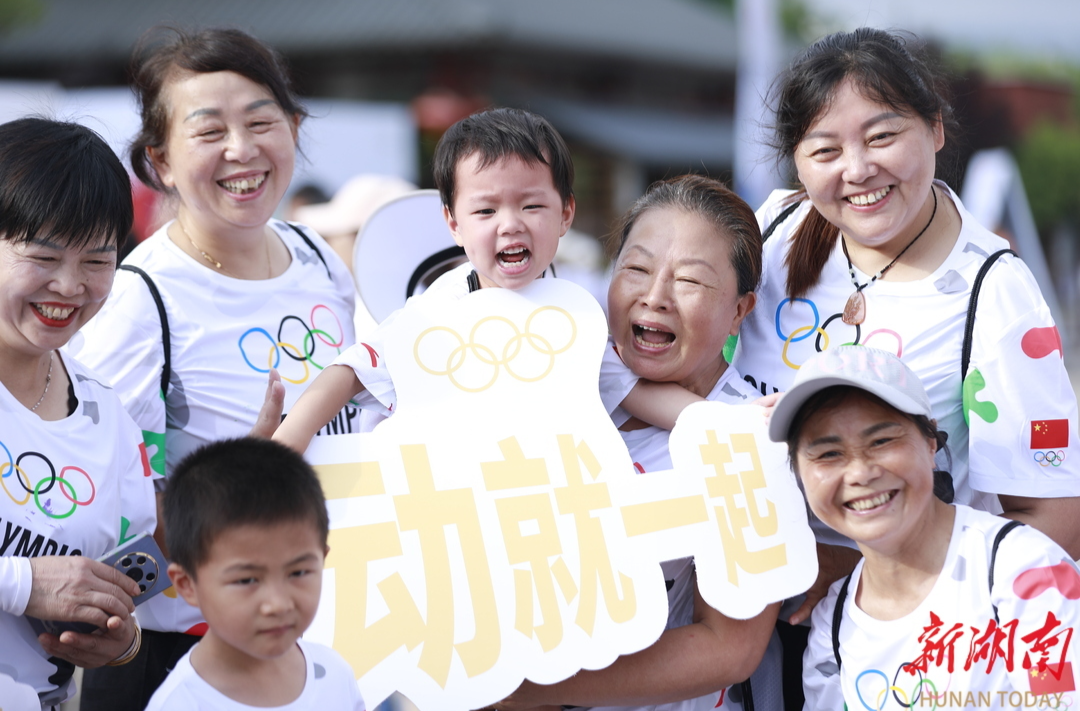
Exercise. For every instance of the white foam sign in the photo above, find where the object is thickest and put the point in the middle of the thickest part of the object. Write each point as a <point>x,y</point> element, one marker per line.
<point>494,529</point>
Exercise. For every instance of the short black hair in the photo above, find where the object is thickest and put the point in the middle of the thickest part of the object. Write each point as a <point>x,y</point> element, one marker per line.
<point>496,134</point>
<point>61,181</point>
<point>237,482</point>
<point>157,62</point>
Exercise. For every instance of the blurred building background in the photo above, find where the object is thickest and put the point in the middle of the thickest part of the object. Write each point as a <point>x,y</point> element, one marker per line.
<point>642,89</point>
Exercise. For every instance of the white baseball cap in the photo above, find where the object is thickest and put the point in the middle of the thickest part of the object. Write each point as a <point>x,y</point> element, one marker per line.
<point>878,372</point>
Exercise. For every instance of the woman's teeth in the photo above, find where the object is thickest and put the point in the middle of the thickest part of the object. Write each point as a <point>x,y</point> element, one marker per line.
<point>515,256</point>
<point>54,313</point>
<point>867,504</point>
<point>652,337</point>
<point>244,185</point>
<point>870,198</point>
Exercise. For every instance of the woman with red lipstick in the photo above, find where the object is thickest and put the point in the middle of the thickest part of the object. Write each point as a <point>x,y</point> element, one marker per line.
<point>73,472</point>
<point>242,294</point>
<point>873,250</point>
<point>945,596</point>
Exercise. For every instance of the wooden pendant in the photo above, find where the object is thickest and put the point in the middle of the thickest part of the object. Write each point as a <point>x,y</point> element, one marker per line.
<point>855,309</point>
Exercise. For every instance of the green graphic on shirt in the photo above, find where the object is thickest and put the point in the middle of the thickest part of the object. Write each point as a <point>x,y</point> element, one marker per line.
<point>124,526</point>
<point>729,348</point>
<point>155,442</point>
<point>974,383</point>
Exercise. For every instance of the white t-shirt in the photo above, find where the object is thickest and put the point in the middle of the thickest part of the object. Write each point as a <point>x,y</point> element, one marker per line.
<point>368,360</point>
<point>76,486</point>
<point>329,686</point>
<point>225,333</point>
<point>649,450</point>
<point>1033,577</point>
<point>1022,407</point>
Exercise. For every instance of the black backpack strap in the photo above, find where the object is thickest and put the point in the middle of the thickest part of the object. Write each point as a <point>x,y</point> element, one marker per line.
<point>166,339</point>
<point>973,300</point>
<point>311,244</point>
<point>780,218</point>
<point>837,616</point>
<point>1002,532</point>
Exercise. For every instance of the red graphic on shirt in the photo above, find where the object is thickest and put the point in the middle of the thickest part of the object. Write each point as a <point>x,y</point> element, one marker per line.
<point>374,356</point>
<point>1041,342</point>
<point>1049,434</point>
<point>1052,680</point>
<point>1062,577</point>
<point>145,459</point>
<point>721,701</point>
<point>939,646</point>
<point>640,469</point>
<point>198,630</point>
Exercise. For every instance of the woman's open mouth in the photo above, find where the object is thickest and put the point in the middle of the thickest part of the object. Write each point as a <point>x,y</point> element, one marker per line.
<point>56,315</point>
<point>650,337</point>
<point>871,502</point>
<point>243,186</point>
<point>868,199</point>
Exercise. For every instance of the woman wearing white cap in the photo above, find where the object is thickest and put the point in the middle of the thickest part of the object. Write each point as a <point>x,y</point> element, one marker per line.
<point>947,602</point>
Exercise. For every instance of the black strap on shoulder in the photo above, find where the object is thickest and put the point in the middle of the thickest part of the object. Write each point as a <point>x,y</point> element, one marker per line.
<point>1002,532</point>
<point>837,616</point>
<point>311,244</point>
<point>969,326</point>
<point>780,218</point>
<point>441,257</point>
<point>747,696</point>
<point>473,280</point>
<point>166,339</point>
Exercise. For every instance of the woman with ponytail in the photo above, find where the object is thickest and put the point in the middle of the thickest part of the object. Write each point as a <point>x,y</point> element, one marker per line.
<point>873,250</point>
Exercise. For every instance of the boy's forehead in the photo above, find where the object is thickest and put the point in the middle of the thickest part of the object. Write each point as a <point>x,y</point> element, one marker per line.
<point>475,175</point>
<point>260,543</point>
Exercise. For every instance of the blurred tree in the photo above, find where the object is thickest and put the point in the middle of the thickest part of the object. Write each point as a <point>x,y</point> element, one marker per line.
<point>1049,161</point>
<point>19,12</point>
<point>795,17</point>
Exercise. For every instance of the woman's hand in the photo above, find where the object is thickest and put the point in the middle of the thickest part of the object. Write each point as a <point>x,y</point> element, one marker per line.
<point>270,412</point>
<point>834,562</point>
<point>78,589</point>
<point>95,649</point>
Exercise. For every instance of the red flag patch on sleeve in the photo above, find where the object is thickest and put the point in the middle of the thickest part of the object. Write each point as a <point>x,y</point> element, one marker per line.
<point>1049,434</point>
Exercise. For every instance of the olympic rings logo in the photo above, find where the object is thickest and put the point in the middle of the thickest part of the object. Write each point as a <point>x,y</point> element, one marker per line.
<point>23,473</point>
<point>820,331</point>
<point>1050,458</point>
<point>898,693</point>
<point>291,329</point>
<point>495,343</point>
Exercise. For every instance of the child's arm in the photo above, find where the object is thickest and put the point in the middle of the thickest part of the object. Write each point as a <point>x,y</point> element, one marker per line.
<point>659,404</point>
<point>323,399</point>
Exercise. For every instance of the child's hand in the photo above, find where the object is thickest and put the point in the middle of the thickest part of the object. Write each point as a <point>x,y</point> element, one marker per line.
<point>273,404</point>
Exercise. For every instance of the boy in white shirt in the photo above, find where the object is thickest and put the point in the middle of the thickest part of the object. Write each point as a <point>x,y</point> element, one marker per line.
<point>505,177</point>
<point>246,527</point>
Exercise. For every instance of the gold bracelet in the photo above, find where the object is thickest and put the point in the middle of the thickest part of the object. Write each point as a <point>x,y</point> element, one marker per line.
<point>131,652</point>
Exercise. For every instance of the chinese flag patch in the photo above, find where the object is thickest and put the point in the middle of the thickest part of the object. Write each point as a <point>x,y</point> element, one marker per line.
<point>1050,681</point>
<point>1049,434</point>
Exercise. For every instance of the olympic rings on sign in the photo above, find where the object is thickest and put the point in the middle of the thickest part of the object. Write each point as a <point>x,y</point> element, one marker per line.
<point>485,348</point>
<point>304,353</point>
<point>1050,458</point>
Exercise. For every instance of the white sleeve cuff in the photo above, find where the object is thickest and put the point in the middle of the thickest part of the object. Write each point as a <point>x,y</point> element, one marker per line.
<point>15,584</point>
